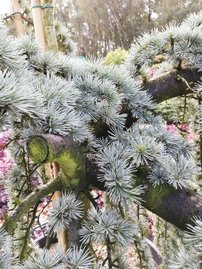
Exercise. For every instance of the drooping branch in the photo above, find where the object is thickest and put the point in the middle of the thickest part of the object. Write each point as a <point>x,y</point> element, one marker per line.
<point>172,84</point>
<point>175,206</point>
<point>51,148</point>
<point>29,201</point>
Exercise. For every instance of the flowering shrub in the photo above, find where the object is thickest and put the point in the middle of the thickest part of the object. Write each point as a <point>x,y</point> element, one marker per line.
<point>5,165</point>
<point>189,134</point>
<point>5,162</point>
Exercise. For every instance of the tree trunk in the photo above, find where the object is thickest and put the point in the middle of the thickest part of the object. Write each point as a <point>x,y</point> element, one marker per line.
<point>17,18</point>
<point>49,25</point>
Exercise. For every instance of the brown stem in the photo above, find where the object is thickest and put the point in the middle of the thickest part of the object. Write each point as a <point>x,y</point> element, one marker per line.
<point>61,234</point>
<point>28,231</point>
<point>173,84</point>
<point>32,199</point>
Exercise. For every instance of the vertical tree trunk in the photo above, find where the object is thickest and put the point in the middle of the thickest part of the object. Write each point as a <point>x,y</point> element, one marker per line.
<point>17,17</point>
<point>38,23</point>
<point>49,25</point>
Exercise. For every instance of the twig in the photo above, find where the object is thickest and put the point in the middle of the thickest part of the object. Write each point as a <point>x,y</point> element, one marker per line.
<point>18,13</point>
<point>7,144</point>
<point>92,200</point>
<point>28,231</point>
<point>109,254</point>
<point>139,254</point>
<point>185,106</point>
<point>12,219</point>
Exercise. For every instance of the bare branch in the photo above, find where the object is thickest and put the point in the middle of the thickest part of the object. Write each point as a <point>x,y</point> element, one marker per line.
<point>172,84</point>
<point>30,201</point>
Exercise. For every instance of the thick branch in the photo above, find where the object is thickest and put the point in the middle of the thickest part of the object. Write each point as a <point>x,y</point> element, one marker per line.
<point>172,84</point>
<point>62,150</point>
<point>175,206</point>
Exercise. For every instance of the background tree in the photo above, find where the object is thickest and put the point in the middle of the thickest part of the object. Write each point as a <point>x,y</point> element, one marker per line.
<point>101,26</point>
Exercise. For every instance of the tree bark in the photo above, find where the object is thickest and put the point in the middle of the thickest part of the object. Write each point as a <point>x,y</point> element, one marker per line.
<point>17,18</point>
<point>173,84</point>
<point>49,25</point>
<point>175,206</point>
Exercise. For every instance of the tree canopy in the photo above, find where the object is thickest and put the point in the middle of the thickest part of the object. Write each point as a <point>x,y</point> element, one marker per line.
<point>99,124</point>
<point>100,25</point>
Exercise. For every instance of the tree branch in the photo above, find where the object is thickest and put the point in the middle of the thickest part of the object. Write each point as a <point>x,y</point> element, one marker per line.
<point>62,150</point>
<point>175,206</point>
<point>28,202</point>
<point>172,84</point>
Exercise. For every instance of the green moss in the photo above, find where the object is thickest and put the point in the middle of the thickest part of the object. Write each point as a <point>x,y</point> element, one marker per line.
<point>73,169</point>
<point>38,149</point>
<point>70,160</point>
<point>156,195</point>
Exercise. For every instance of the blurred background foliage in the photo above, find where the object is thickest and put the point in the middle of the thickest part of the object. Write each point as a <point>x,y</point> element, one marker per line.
<point>100,26</point>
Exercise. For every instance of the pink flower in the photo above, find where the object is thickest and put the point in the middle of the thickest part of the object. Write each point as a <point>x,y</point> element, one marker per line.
<point>184,127</point>
<point>192,136</point>
<point>99,199</point>
<point>4,139</point>
<point>38,233</point>
<point>3,196</point>
<point>5,166</point>
<point>171,128</point>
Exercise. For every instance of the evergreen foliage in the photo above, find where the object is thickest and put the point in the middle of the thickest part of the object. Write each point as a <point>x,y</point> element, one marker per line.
<point>54,94</point>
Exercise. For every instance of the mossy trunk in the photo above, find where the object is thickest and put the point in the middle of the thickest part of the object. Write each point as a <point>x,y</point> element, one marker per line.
<point>176,206</point>
<point>49,24</point>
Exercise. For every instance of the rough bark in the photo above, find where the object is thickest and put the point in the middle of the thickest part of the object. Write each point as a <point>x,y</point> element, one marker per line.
<point>175,206</point>
<point>49,24</point>
<point>173,84</point>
